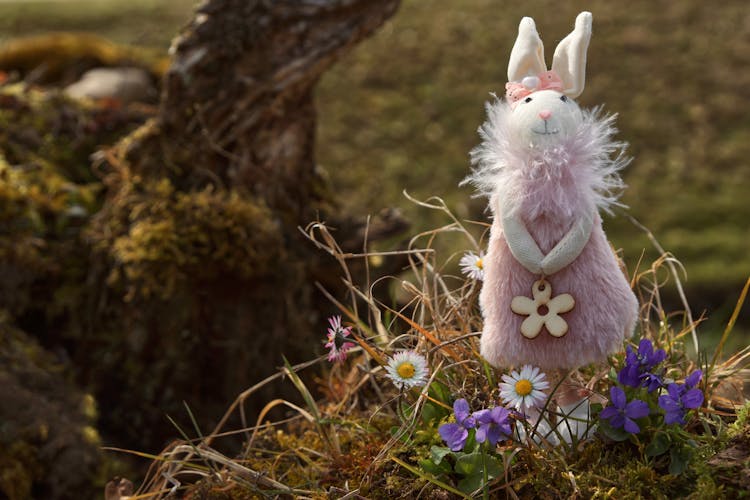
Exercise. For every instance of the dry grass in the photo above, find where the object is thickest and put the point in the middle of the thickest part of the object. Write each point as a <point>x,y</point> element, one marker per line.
<point>361,436</point>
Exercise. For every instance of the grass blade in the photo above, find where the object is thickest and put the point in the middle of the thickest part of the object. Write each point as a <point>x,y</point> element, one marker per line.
<point>312,405</point>
<point>730,325</point>
<point>428,477</point>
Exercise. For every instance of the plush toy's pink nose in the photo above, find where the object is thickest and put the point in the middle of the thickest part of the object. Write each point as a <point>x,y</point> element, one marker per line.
<point>545,114</point>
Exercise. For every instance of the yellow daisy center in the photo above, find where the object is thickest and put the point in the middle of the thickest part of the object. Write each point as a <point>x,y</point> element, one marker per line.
<point>480,264</point>
<point>523,387</point>
<point>405,370</point>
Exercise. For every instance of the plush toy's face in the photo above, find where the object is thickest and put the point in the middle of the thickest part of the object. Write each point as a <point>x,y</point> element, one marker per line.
<point>545,117</point>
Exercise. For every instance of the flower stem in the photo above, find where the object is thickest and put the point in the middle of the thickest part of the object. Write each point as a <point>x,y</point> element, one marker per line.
<point>485,486</point>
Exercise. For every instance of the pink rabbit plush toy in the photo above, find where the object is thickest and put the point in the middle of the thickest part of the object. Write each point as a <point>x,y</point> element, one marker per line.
<point>554,294</point>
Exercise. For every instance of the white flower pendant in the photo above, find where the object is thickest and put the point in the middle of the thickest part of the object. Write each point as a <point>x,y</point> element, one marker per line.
<point>543,310</point>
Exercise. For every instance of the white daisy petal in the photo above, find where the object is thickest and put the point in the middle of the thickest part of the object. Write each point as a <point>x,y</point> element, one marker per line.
<point>472,265</point>
<point>524,389</point>
<point>407,369</point>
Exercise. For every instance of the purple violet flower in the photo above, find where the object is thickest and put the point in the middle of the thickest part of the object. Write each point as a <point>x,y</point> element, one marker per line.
<point>629,374</point>
<point>639,364</point>
<point>622,414</point>
<point>494,425</point>
<point>647,356</point>
<point>680,398</point>
<point>692,380</point>
<point>652,381</point>
<point>455,435</point>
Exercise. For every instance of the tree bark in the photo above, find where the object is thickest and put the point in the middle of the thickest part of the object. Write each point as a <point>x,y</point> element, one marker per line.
<point>204,278</point>
<point>241,86</point>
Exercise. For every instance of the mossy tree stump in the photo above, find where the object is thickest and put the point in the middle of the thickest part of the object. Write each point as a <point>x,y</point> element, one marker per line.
<point>202,278</point>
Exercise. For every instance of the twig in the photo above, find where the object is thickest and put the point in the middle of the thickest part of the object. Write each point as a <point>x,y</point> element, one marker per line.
<point>240,470</point>
<point>673,270</point>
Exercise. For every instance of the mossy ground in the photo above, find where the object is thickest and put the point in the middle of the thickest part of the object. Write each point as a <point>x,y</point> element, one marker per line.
<point>48,191</point>
<point>47,425</point>
<point>47,194</point>
<point>139,22</point>
<point>298,457</point>
<point>364,438</point>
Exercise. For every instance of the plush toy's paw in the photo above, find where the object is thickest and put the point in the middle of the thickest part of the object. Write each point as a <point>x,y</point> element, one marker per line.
<point>538,426</point>
<point>574,423</point>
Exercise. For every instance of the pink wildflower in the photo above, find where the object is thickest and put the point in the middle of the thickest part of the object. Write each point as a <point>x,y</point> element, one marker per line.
<point>337,340</point>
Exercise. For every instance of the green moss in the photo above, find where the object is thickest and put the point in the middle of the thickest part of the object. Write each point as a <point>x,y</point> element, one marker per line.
<point>48,447</point>
<point>159,237</point>
<point>46,131</point>
<point>47,188</point>
<point>19,468</point>
<point>742,424</point>
<point>59,58</point>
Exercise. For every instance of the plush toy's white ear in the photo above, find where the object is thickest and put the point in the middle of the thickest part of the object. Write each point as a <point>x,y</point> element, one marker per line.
<point>527,56</point>
<point>569,61</point>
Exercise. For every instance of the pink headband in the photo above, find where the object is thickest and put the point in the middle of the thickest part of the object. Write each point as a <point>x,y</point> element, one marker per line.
<point>548,80</point>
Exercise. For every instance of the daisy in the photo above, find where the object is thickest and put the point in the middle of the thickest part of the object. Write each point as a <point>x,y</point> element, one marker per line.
<point>337,340</point>
<point>407,369</point>
<point>472,265</point>
<point>524,390</point>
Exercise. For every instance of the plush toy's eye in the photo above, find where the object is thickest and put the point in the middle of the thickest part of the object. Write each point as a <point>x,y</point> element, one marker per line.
<point>528,99</point>
<point>564,98</point>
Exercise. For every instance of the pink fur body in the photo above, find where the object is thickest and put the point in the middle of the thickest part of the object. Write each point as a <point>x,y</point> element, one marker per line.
<point>605,310</point>
<point>550,189</point>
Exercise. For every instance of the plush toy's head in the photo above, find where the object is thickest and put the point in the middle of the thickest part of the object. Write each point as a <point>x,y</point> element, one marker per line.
<point>545,117</point>
<point>537,144</point>
<point>543,109</point>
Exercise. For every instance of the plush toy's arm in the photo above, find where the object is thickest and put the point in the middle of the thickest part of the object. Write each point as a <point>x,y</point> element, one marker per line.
<point>527,252</point>
<point>521,243</point>
<point>569,247</point>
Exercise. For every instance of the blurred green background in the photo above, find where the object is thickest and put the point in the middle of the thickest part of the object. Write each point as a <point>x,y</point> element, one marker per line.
<point>401,111</point>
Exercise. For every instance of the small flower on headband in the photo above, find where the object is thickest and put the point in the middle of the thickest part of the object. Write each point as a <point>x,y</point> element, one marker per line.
<point>547,80</point>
